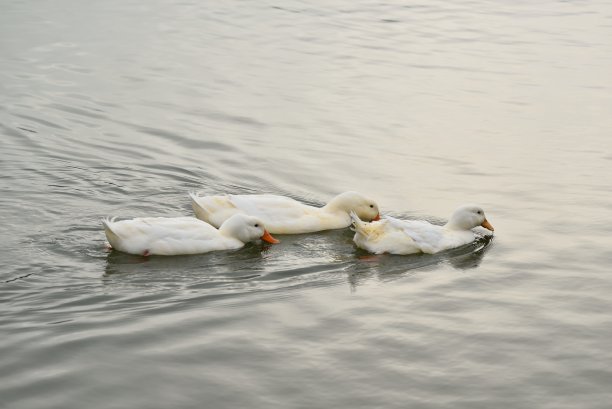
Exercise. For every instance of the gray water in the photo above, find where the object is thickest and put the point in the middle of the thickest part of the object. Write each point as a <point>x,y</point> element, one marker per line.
<point>122,107</point>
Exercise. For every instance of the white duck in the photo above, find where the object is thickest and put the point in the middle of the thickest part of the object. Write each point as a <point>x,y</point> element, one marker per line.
<point>284,215</point>
<point>169,236</point>
<point>395,236</point>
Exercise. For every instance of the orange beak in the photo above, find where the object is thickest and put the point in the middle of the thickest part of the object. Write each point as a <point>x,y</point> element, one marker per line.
<point>377,218</point>
<point>487,225</point>
<point>267,237</point>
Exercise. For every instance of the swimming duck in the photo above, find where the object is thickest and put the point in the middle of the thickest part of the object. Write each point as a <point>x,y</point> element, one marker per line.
<point>391,235</point>
<point>169,236</point>
<point>283,215</point>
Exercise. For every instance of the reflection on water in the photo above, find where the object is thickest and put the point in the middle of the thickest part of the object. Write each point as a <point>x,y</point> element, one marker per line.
<point>248,268</point>
<point>121,108</point>
<point>387,267</point>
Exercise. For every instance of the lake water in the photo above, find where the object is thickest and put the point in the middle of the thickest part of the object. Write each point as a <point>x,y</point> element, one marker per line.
<point>122,107</point>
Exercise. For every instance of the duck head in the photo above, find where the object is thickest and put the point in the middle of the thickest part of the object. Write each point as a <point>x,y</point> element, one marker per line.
<point>246,228</point>
<point>365,208</point>
<point>467,217</point>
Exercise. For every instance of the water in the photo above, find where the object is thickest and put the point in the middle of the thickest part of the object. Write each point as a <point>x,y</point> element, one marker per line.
<point>120,108</point>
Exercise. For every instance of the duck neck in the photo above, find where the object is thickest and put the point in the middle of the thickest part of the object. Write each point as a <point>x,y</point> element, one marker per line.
<point>331,208</point>
<point>229,233</point>
<point>336,205</point>
<point>453,226</point>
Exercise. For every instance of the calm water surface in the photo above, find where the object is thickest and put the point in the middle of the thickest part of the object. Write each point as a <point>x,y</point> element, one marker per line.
<point>122,107</point>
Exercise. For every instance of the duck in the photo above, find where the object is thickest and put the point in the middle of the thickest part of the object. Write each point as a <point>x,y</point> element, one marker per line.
<point>284,215</point>
<point>169,236</point>
<point>395,236</point>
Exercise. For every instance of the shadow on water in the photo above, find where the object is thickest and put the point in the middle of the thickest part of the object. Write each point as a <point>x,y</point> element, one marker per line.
<point>298,262</point>
<point>388,267</point>
<point>232,264</point>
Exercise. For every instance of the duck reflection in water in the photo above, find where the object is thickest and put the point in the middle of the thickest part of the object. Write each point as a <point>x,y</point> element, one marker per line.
<point>388,267</point>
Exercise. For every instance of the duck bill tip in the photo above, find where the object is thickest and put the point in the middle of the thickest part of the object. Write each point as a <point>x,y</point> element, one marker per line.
<point>377,218</point>
<point>267,237</point>
<point>487,225</point>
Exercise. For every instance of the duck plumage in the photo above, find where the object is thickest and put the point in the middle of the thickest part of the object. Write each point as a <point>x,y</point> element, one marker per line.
<point>181,235</point>
<point>395,236</point>
<point>284,215</point>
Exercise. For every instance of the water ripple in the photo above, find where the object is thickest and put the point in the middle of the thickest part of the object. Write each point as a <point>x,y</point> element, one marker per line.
<point>422,106</point>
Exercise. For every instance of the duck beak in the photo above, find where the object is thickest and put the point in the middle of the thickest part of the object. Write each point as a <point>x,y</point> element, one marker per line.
<point>487,225</point>
<point>377,218</point>
<point>267,237</point>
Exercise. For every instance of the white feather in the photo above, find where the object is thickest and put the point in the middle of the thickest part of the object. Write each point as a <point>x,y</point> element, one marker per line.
<point>179,235</point>
<point>395,236</point>
<point>282,214</point>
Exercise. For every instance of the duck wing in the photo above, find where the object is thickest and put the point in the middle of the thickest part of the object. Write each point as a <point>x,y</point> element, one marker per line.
<point>164,236</point>
<point>269,206</point>
<point>164,227</point>
<point>425,235</point>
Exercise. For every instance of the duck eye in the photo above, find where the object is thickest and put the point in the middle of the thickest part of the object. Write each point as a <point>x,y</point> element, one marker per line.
<point>256,224</point>
<point>479,212</point>
<point>372,206</point>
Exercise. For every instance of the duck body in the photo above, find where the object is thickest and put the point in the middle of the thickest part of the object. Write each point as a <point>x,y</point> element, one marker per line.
<point>284,215</point>
<point>395,236</point>
<point>181,235</point>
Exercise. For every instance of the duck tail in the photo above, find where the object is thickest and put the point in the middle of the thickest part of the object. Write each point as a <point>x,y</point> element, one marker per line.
<point>108,229</point>
<point>199,210</point>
